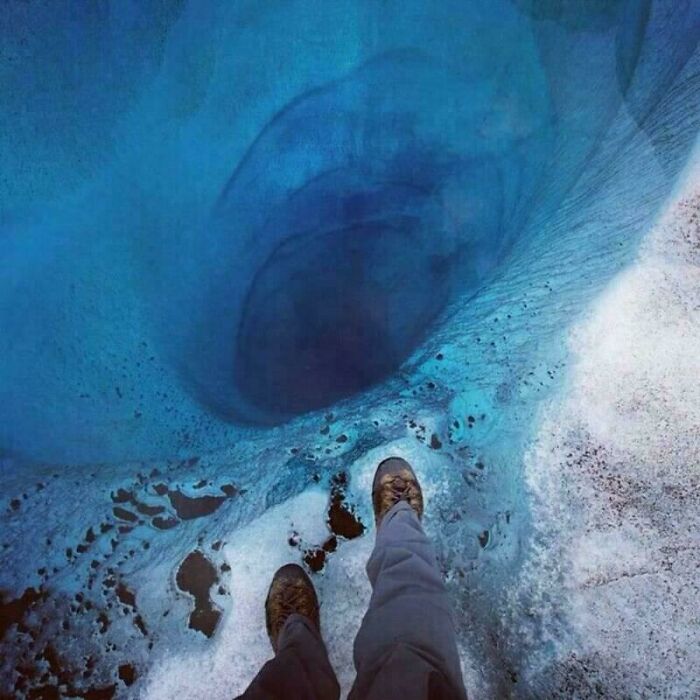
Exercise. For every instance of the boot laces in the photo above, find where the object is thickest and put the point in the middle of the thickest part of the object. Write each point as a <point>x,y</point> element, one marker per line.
<point>401,489</point>
<point>292,598</point>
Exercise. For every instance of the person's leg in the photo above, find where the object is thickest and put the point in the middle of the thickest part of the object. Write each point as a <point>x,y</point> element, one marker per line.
<point>406,647</point>
<point>300,669</point>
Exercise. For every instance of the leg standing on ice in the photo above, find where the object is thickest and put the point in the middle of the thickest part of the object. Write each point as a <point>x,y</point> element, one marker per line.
<point>406,647</point>
<point>300,668</point>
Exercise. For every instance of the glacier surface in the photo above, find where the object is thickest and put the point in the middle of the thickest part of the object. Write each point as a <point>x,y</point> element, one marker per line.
<point>251,249</point>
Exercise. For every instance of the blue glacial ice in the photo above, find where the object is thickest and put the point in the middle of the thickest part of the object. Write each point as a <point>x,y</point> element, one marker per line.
<point>250,249</point>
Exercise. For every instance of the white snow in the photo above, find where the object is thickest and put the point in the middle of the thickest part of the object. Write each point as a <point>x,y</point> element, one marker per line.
<point>614,476</point>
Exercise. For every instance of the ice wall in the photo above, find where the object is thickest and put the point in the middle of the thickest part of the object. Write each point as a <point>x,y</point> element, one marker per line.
<point>250,250</point>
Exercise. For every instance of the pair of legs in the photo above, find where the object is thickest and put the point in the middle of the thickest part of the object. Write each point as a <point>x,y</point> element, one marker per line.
<point>406,647</point>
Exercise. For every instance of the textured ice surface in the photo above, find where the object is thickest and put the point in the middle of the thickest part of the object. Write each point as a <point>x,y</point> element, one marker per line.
<point>610,576</point>
<point>249,250</point>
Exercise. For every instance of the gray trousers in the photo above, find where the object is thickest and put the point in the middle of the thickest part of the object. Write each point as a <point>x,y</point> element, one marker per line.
<point>406,647</point>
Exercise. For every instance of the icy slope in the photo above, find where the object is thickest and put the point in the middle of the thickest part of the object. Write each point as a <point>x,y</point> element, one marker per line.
<point>606,595</point>
<point>249,251</point>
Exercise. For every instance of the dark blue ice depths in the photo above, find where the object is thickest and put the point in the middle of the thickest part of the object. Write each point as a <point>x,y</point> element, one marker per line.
<point>361,239</point>
<point>225,226</point>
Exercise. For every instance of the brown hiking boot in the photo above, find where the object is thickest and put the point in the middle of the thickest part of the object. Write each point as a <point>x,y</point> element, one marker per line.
<point>291,591</point>
<point>395,481</point>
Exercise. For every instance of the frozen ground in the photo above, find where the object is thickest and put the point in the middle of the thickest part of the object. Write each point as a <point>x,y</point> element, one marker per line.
<point>200,202</point>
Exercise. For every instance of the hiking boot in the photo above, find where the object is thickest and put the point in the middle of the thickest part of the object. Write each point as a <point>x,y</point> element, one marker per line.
<point>395,481</point>
<point>291,591</point>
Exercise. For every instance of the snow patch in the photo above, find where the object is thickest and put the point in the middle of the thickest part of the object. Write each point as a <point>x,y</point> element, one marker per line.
<point>610,582</point>
<point>223,668</point>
